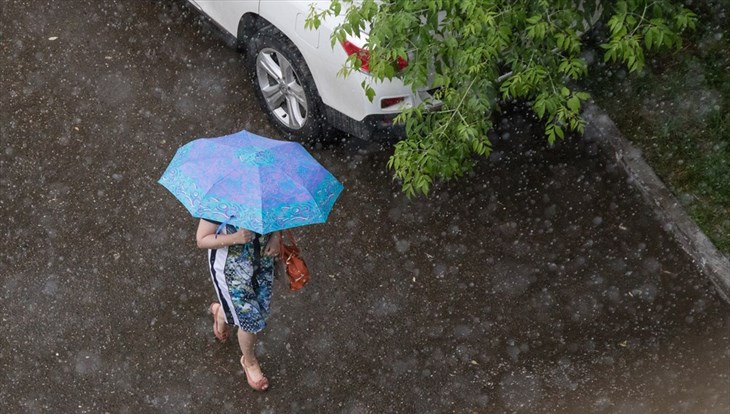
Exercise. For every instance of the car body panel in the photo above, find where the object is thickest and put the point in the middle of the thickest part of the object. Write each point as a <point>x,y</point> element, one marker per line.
<point>228,13</point>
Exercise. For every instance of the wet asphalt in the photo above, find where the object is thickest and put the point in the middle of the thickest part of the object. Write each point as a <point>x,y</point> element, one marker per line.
<point>539,283</point>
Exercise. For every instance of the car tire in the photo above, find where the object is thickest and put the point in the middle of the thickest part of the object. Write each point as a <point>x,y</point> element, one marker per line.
<point>284,86</point>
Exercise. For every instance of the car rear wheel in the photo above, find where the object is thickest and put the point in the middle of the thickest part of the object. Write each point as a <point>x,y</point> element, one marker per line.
<point>284,85</point>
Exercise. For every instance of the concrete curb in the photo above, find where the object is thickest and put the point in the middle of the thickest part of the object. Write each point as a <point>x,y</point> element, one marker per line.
<point>601,129</point>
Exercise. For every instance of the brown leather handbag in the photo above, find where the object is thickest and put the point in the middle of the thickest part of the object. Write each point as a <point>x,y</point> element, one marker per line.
<point>296,267</point>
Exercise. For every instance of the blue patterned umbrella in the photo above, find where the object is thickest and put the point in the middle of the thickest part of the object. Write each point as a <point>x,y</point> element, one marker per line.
<point>252,182</point>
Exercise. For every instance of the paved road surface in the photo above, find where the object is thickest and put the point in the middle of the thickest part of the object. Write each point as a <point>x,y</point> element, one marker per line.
<point>538,284</point>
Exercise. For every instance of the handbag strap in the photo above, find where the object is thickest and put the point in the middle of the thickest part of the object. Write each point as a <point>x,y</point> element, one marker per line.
<point>290,234</point>
<point>291,237</point>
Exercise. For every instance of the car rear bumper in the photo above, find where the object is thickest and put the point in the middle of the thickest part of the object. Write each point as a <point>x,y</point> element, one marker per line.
<point>375,127</point>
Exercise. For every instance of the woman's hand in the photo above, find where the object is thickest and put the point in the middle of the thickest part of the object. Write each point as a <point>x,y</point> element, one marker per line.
<point>272,246</point>
<point>242,236</point>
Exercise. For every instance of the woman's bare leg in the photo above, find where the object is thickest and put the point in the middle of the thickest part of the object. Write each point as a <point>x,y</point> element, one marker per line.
<point>247,342</point>
<point>220,327</point>
<point>222,323</point>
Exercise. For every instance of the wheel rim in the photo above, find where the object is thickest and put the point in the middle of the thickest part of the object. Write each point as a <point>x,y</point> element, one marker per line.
<point>280,86</point>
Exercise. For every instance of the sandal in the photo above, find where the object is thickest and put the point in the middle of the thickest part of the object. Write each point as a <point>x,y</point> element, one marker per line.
<point>260,385</point>
<point>219,335</point>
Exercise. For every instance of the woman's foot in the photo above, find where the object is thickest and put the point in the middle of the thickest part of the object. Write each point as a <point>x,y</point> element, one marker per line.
<point>254,376</point>
<point>220,328</point>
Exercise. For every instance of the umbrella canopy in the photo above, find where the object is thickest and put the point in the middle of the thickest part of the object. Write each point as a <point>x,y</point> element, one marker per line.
<point>252,182</point>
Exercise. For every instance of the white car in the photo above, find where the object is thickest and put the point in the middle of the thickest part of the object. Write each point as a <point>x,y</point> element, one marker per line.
<point>295,70</point>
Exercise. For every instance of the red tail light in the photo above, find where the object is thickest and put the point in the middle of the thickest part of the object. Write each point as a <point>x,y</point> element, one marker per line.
<point>364,56</point>
<point>386,102</point>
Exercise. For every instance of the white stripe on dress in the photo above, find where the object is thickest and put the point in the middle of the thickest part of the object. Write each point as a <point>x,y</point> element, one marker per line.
<point>219,280</point>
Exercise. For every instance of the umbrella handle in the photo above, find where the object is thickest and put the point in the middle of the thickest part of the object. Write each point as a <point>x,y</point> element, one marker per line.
<point>222,226</point>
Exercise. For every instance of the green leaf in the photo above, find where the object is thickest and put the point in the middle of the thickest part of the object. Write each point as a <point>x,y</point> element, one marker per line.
<point>649,38</point>
<point>574,103</point>
<point>550,132</point>
<point>369,91</point>
<point>539,108</point>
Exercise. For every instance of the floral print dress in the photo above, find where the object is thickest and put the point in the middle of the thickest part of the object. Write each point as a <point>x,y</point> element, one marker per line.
<point>242,277</point>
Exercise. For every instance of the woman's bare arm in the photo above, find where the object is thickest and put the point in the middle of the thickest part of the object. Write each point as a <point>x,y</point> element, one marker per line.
<point>207,239</point>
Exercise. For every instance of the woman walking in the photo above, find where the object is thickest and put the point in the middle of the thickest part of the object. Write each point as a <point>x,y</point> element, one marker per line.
<point>241,266</point>
<point>260,186</point>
